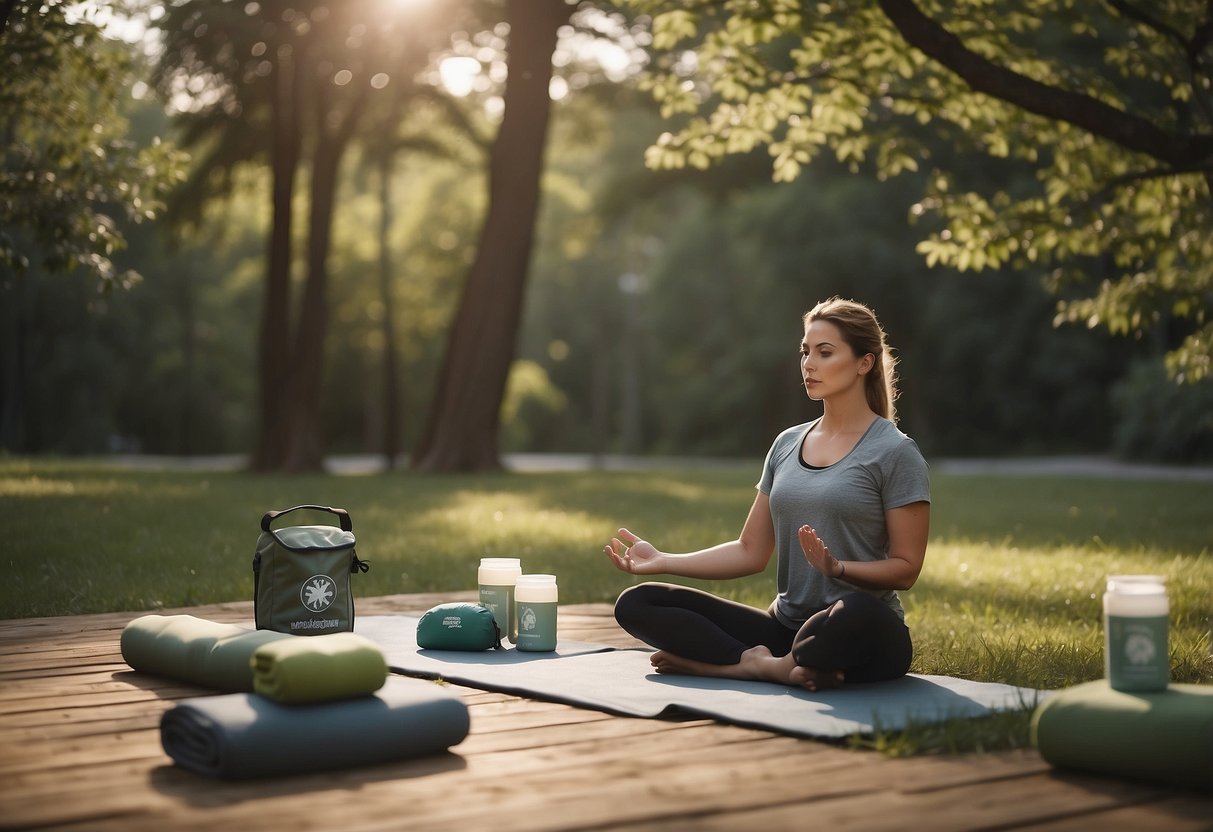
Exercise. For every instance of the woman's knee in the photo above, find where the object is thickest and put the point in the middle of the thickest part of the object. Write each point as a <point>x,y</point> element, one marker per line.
<point>859,605</point>
<point>856,631</point>
<point>633,603</point>
<point>844,614</point>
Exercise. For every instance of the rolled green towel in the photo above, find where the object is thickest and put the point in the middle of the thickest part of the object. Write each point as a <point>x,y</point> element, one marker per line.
<point>242,735</point>
<point>1165,737</point>
<point>190,649</point>
<point>318,668</point>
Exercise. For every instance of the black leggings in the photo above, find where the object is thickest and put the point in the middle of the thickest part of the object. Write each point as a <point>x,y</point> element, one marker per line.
<point>857,634</point>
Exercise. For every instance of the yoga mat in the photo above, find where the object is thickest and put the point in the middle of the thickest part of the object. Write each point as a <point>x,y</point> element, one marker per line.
<point>195,650</point>
<point>1165,737</point>
<point>242,736</point>
<point>623,682</point>
<point>318,668</point>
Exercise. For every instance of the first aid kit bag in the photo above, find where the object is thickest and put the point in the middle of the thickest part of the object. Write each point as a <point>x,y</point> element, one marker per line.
<point>301,575</point>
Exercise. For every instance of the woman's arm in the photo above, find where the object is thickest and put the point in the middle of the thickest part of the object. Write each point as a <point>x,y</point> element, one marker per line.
<point>747,555</point>
<point>908,527</point>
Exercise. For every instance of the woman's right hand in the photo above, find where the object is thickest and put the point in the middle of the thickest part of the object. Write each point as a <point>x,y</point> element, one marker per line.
<point>633,555</point>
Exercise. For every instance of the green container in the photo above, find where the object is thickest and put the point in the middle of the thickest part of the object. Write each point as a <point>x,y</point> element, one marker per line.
<point>535,602</point>
<point>1136,653</point>
<point>536,627</point>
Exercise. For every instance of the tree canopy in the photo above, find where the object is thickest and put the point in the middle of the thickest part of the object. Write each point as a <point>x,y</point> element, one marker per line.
<point>70,174</point>
<point>1093,121</point>
<point>638,279</point>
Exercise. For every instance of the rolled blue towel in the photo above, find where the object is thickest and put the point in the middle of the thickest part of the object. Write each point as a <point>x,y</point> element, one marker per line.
<point>243,736</point>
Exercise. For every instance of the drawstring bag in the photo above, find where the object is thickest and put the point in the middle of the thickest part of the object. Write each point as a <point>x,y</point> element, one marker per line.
<point>301,575</point>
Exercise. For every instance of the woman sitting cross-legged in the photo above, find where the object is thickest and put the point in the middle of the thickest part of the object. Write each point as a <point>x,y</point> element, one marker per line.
<point>844,501</point>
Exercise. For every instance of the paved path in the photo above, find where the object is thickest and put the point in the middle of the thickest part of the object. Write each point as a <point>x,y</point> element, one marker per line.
<point>1078,466</point>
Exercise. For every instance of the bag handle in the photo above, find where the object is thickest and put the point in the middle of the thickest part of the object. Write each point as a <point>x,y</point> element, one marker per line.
<point>342,515</point>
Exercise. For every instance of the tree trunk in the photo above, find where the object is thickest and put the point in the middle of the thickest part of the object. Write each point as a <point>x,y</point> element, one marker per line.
<point>189,351</point>
<point>304,449</point>
<point>462,425</point>
<point>391,386</point>
<point>6,11</point>
<point>14,362</point>
<point>305,431</point>
<point>274,329</point>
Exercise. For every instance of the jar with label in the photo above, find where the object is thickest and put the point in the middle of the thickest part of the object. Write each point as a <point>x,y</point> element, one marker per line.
<point>1136,656</point>
<point>535,599</point>
<point>497,577</point>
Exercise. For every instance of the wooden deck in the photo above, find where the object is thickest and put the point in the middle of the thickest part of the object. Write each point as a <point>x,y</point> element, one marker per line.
<point>80,748</point>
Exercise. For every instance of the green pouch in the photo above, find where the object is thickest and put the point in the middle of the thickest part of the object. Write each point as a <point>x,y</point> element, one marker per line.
<point>458,626</point>
<point>301,576</point>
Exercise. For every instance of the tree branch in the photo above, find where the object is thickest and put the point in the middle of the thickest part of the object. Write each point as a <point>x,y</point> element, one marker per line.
<point>1097,199</point>
<point>1149,22</point>
<point>982,75</point>
<point>1191,48</point>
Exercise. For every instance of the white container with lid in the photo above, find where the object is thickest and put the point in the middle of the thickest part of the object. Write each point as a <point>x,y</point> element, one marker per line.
<point>535,600</point>
<point>496,577</point>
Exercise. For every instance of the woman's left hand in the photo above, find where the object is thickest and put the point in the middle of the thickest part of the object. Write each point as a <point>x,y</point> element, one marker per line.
<point>817,553</point>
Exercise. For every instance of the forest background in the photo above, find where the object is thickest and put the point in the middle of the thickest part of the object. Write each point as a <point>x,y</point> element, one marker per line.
<point>661,312</point>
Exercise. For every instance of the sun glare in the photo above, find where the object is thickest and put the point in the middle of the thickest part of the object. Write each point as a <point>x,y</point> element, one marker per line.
<point>458,73</point>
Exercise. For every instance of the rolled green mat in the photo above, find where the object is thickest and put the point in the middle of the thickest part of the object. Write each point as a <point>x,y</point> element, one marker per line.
<point>1165,737</point>
<point>242,735</point>
<point>318,668</point>
<point>191,649</point>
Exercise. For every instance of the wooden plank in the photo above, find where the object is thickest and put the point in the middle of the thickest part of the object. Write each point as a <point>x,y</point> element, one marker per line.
<point>1023,802</point>
<point>79,746</point>
<point>479,782</point>
<point>1185,813</point>
<point>79,672</point>
<point>67,758</point>
<point>89,699</point>
<point>55,723</point>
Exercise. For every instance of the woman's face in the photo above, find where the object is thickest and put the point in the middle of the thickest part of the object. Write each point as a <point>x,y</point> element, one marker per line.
<point>828,365</point>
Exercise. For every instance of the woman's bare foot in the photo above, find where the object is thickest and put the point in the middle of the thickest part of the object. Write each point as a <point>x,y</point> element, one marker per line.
<point>664,662</point>
<point>757,664</point>
<point>814,680</point>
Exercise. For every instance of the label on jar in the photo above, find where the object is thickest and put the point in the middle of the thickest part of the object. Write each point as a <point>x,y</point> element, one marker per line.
<point>1136,651</point>
<point>500,601</point>
<point>536,626</point>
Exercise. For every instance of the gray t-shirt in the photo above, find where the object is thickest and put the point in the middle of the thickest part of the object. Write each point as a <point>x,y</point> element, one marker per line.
<point>845,502</point>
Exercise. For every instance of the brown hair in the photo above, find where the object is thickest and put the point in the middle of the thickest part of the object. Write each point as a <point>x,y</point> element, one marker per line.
<point>864,334</point>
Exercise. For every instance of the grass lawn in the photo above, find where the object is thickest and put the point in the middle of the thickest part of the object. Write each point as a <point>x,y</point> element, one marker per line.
<point>1011,590</point>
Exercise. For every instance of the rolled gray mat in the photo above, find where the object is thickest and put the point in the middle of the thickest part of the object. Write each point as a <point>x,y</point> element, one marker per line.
<point>243,736</point>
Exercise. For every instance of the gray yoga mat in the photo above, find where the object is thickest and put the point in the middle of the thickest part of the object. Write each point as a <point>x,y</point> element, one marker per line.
<point>623,682</point>
<point>240,736</point>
